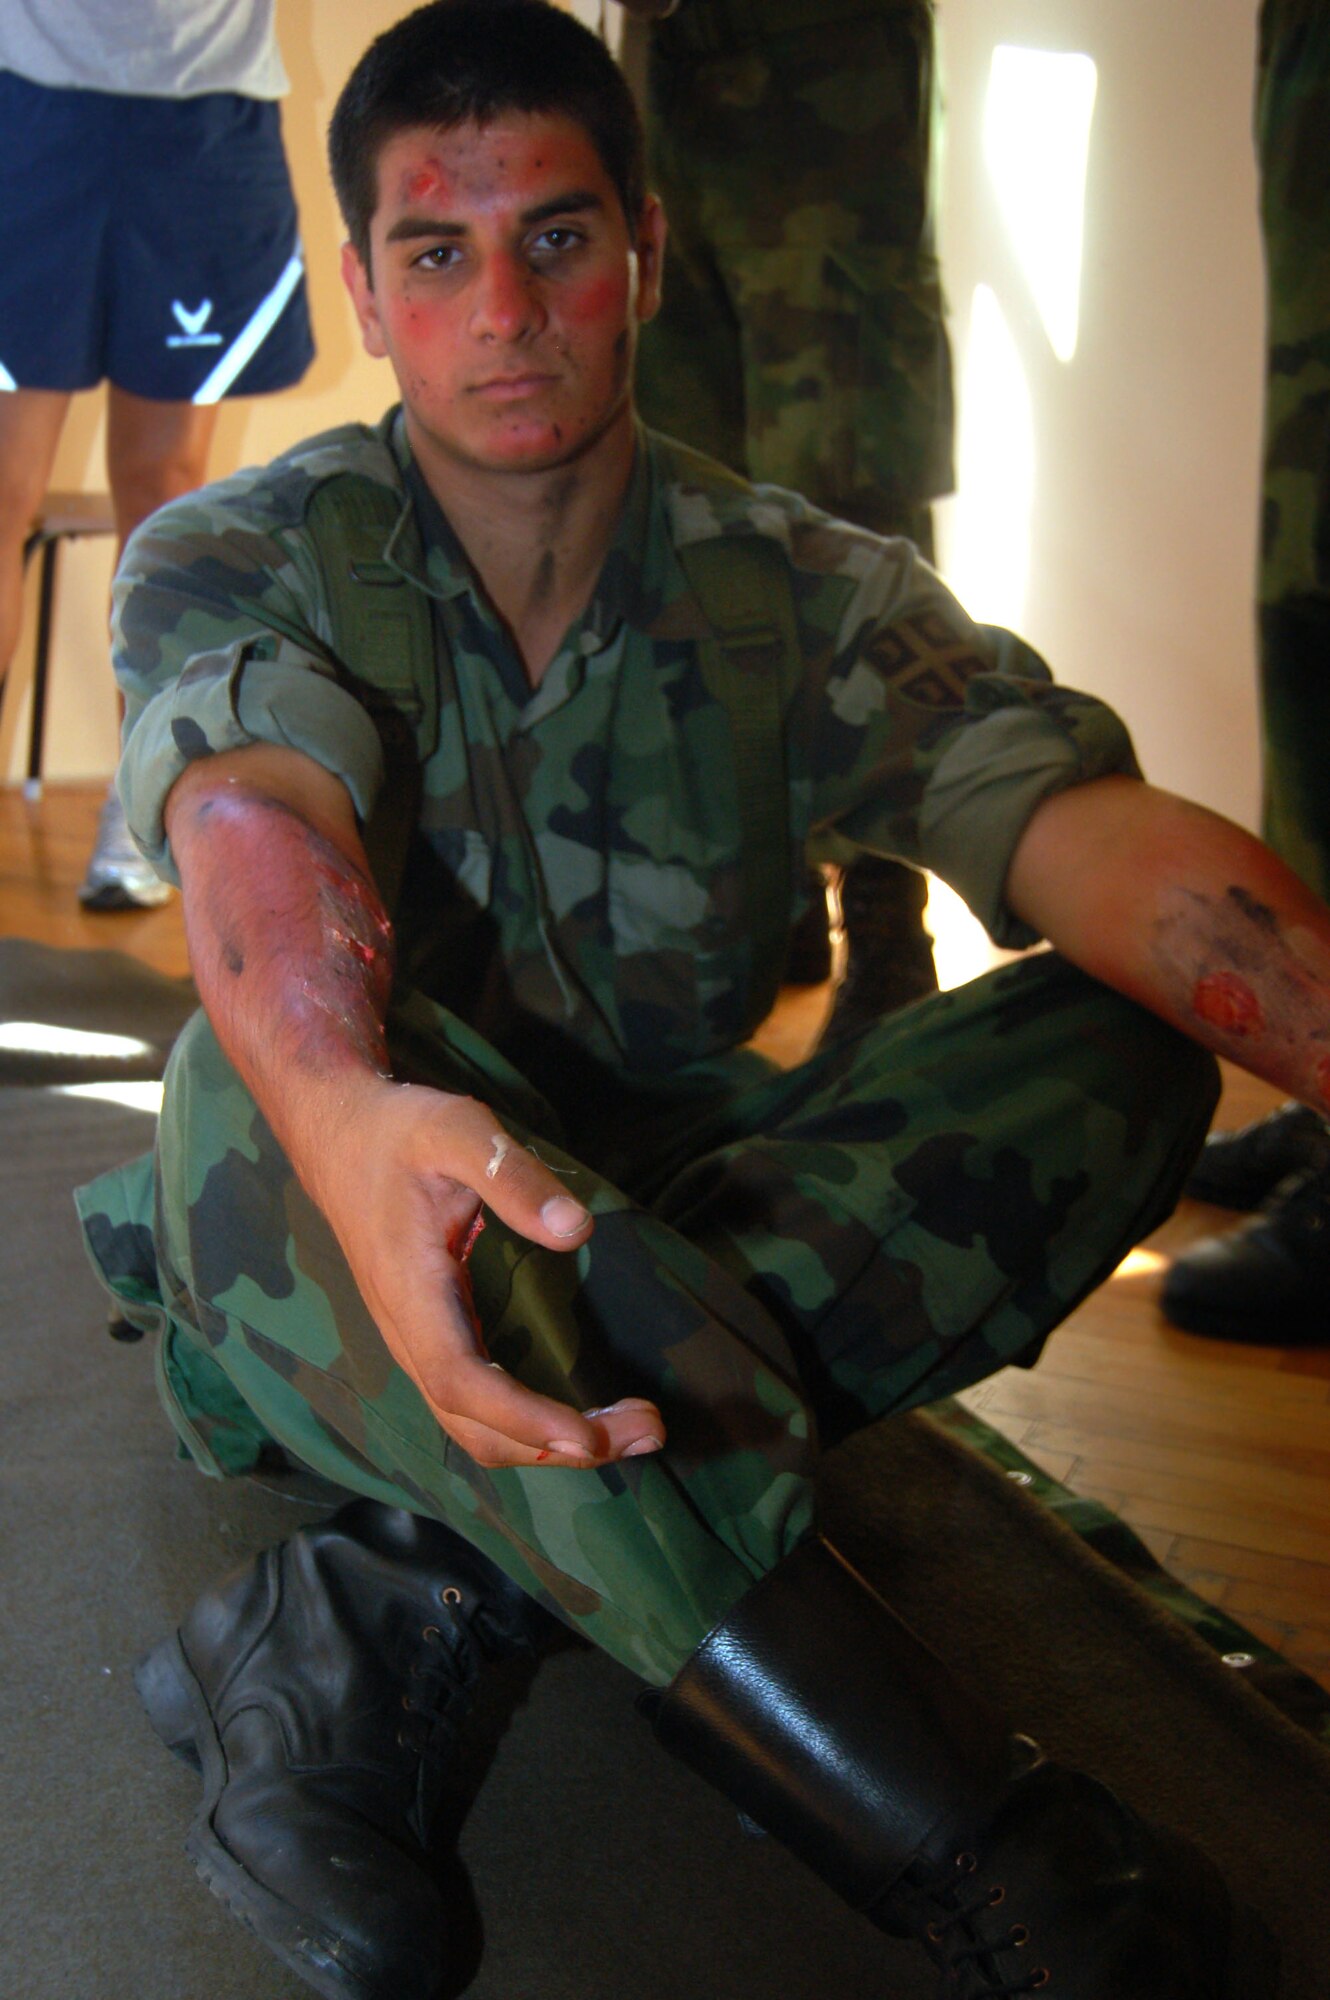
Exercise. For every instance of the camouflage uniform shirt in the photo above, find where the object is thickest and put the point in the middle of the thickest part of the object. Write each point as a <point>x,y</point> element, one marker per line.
<point>574,880</point>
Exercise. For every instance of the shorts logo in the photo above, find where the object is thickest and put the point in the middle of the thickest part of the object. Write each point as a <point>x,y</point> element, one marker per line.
<point>192,325</point>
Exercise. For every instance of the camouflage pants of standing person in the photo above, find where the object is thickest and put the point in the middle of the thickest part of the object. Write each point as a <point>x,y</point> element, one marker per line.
<point>1292,112</point>
<point>801,334</point>
<point>778,1258</point>
<point>801,338</point>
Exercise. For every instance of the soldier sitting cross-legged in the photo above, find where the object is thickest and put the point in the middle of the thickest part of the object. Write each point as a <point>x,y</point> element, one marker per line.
<point>486,746</point>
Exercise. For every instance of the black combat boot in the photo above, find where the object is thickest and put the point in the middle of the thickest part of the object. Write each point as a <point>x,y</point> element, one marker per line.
<point>808,957</point>
<point>1242,1169</point>
<point>888,953</point>
<point>1268,1280</point>
<point>319,1691</point>
<point>828,1723</point>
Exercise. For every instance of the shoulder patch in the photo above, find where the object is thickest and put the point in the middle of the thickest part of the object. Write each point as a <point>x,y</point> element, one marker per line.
<point>926,658</point>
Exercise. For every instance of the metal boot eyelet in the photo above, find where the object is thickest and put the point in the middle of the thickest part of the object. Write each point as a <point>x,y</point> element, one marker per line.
<point>431,1635</point>
<point>966,1864</point>
<point>450,1594</point>
<point>1018,1936</point>
<point>933,1932</point>
<point>1040,1977</point>
<point>408,1704</point>
<point>997,1894</point>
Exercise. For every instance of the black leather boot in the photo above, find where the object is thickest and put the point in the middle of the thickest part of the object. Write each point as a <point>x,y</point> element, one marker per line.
<point>808,959</point>
<point>1242,1169</point>
<point>1266,1282</point>
<point>828,1723</point>
<point>888,953</point>
<point>319,1691</point>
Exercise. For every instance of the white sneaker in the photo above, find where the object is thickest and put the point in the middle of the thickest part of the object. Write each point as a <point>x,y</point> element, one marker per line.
<point>118,877</point>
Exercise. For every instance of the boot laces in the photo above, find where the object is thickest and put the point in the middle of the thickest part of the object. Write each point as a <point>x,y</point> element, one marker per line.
<point>960,1937</point>
<point>439,1682</point>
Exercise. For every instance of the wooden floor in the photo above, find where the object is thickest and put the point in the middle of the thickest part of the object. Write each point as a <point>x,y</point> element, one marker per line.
<point>1217,1455</point>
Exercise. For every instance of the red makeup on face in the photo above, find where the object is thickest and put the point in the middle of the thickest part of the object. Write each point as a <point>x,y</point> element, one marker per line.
<point>600,299</point>
<point>423,183</point>
<point>507,290</point>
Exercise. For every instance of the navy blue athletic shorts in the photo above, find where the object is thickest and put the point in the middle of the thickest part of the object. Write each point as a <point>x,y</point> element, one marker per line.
<point>149,241</point>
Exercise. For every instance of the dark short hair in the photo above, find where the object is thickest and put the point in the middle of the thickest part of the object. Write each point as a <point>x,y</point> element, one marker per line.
<point>456,62</point>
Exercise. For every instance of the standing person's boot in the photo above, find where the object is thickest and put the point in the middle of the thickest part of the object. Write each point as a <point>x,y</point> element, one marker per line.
<point>808,959</point>
<point>888,953</point>
<point>319,1691</point>
<point>1242,1169</point>
<point>1268,1280</point>
<point>827,1722</point>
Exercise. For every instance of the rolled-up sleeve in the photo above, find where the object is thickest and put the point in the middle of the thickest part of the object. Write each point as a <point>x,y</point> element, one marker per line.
<point>217,645</point>
<point>987,783</point>
<point>935,739</point>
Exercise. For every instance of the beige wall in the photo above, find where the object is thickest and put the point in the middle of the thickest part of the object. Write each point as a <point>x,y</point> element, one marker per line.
<point>1146,445</point>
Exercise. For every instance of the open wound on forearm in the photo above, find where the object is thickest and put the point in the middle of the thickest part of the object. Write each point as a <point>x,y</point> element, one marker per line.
<point>355,925</point>
<point>1251,978</point>
<point>1225,1000</point>
<point>293,913</point>
<point>352,974</point>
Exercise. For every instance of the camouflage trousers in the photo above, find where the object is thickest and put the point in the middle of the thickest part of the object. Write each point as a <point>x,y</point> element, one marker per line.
<point>801,337</point>
<point>778,1258</point>
<point>1292,109</point>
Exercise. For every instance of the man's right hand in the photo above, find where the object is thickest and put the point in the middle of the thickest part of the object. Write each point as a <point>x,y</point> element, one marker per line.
<point>291,950</point>
<point>402,1181</point>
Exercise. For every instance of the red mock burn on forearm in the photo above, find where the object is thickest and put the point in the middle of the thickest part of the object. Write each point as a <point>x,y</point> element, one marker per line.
<point>1257,980</point>
<point>291,944</point>
<point>1226,1001</point>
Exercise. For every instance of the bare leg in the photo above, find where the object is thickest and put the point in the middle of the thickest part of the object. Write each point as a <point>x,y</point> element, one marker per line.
<point>30,424</point>
<point>154,452</point>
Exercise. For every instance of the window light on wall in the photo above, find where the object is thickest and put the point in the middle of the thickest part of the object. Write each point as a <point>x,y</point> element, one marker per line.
<point>1036,146</point>
<point>1036,133</point>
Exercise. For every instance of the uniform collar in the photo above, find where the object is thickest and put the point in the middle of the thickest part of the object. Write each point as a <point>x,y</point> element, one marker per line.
<point>640,573</point>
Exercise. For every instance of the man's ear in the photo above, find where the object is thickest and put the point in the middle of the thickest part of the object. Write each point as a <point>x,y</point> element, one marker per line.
<point>357,281</point>
<point>652,231</point>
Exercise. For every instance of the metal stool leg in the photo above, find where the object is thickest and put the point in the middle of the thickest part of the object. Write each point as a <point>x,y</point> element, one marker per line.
<point>62,516</point>
<point>41,666</point>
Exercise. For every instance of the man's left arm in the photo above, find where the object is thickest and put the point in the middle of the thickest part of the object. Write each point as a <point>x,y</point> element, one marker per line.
<point>1188,914</point>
